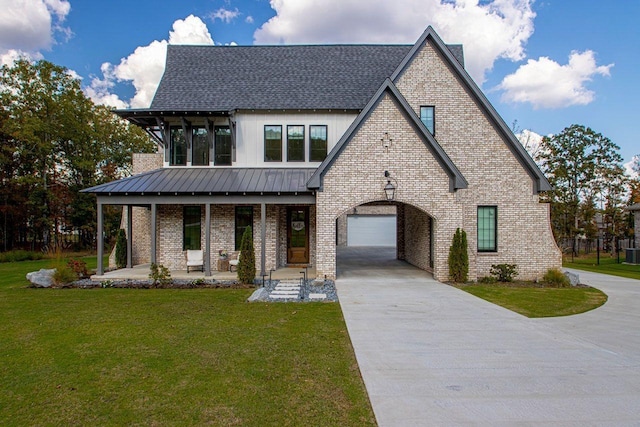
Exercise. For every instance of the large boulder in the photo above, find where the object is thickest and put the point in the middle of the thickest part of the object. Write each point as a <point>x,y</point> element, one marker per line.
<point>42,278</point>
<point>574,279</point>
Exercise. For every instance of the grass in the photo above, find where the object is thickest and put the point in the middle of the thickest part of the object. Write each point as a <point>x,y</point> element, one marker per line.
<point>171,357</point>
<point>536,301</point>
<point>608,265</point>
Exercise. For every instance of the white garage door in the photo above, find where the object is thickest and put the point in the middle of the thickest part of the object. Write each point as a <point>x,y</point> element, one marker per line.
<point>371,230</point>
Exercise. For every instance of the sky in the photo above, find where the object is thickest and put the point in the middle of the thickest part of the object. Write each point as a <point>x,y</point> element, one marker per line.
<point>543,64</point>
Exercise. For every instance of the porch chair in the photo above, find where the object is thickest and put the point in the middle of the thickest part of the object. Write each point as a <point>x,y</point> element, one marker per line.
<point>234,261</point>
<point>195,259</point>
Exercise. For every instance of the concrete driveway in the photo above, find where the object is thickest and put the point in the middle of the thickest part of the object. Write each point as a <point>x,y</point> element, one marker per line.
<point>431,354</point>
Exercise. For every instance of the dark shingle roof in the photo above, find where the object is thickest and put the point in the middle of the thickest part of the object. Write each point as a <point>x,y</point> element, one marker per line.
<point>210,180</point>
<point>224,78</point>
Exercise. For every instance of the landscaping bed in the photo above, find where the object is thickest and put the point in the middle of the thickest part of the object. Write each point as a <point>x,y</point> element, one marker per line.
<point>533,299</point>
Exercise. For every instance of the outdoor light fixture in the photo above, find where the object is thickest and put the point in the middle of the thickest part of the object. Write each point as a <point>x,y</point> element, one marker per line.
<point>389,188</point>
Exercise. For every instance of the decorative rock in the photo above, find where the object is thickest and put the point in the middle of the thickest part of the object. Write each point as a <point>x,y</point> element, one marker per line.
<point>259,294</point>
<point>42,278</point>
<point>573,278</point>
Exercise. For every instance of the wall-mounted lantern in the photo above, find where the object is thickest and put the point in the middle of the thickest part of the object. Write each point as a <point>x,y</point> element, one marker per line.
<point>389,188</point>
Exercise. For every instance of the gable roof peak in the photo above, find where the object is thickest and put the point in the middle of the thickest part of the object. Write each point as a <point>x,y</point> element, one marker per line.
<point>456,179</point>
<point>540,181</point>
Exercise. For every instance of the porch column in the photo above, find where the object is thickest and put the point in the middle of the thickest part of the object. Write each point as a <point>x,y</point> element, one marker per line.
<point>263,236</point>
<point>207,239</point>
<point>129,236</point>
<point>153,232</point>
<point>100,271</point>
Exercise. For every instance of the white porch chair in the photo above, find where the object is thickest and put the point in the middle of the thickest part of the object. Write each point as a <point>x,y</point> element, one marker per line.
<point>195,259</point>
<point>234,262</point>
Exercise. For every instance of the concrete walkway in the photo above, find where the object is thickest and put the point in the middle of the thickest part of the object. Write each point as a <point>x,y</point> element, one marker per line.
<point>431,354</point>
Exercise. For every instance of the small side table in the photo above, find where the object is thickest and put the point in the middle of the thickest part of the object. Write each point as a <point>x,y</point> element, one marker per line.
<point>223,264</point>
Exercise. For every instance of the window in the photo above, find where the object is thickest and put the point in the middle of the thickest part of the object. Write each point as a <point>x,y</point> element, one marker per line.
<point>295,143</point>
<point>273,143</point>
<point>487,228</point>
<point>427,115</point>
<point>317,143</point>
<point>199,147</point>
<point>178,148</point>
<point>244,219</point>
<point>191,224</point>
<point>222,146</point>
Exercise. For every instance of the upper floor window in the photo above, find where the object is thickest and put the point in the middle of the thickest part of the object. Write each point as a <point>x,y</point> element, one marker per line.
<point>295,143</point>
<point>177,147</point>
<point>317,143</point>
<point>222,156</point>
<point>199,147</point>
<point>273,143</point>
<point>427,115</point>
<point>487,228</point>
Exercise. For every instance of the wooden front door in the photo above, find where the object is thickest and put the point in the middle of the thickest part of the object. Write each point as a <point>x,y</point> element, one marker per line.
<point>298,235</point>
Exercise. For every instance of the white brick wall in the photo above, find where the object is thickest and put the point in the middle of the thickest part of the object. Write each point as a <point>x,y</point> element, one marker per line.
<point>495,178</point>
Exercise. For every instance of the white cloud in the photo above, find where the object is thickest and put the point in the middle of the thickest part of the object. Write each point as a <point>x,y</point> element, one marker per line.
<point>531,141</point>
<point>144,67</point>
<point>225,15</point>
<point>249,19</point>
<point>546,84</point>
<point>28,26</point>
<point>489,30</point>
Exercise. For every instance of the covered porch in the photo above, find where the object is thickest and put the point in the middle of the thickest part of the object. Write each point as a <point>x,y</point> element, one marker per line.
<point>159,199</point>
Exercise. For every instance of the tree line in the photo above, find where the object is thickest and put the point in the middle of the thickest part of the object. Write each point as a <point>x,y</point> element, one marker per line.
<point>590,188</point>
<point>54,141</point>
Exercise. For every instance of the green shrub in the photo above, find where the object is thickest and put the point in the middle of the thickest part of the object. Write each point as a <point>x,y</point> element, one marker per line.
<point>487,280</point>
<point>121,249</point>
<point>458,257</point>
<point>64,275</point>
<point>247,264</point>
<point>555,277</point>
<point>20,255</point>
<point>504,272</point>
<point>160,275</point>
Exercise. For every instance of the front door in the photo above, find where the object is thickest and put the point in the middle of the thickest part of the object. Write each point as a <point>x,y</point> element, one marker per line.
<point>298,235</point>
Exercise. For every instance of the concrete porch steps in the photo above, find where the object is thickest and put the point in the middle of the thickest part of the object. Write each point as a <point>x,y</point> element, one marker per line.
<point>286,289</point>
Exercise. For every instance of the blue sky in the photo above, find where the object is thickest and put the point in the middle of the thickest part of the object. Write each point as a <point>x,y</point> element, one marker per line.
<point>546,63</point>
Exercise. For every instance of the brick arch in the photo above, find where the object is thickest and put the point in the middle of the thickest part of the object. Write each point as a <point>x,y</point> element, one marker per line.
<point>415,233</point>
<point>377,199</point>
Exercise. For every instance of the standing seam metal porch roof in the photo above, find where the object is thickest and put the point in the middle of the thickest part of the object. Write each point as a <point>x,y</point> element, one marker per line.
<point>211,180</point>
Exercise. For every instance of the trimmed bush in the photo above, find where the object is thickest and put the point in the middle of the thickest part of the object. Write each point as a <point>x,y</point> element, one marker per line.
<point>458,257</point>
<point>555,277</point>
<point>247,264</point>
<point>504,272</point>
<point>20,255</point>
<point>121,249</point>
<point>64,275</point>
<point>487,280</point>
<point>160,275</point>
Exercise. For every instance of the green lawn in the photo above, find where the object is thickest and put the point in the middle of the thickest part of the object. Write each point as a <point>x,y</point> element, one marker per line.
<point>171,357</point>
<point>538,301</point>
<point>608,265</point>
